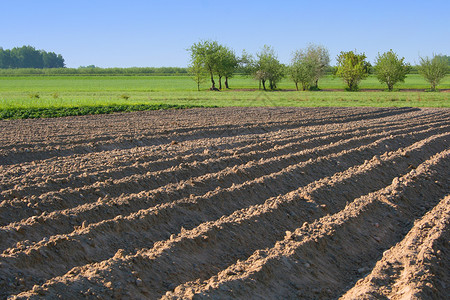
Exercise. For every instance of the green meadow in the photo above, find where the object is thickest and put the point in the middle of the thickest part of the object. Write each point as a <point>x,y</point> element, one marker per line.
<point>37,92</point>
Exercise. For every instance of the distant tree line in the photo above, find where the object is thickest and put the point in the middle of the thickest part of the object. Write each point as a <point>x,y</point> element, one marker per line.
<point>219,63</point>
<point>209,59</point>
<point>93,70</point>
<point>29,57</point>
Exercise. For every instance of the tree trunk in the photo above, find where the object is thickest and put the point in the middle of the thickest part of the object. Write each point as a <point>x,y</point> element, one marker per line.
<point>220,82</point>
<point>296,86</point>
<point>316,84</point>
<point>264,84</point>
<point>226,82</point>
<point>213,83</point>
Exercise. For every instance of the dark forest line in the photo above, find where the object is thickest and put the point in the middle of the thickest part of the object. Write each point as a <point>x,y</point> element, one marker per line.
<point>29,57</point>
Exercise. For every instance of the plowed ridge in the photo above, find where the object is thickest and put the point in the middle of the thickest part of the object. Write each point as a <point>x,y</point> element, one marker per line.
<point>226,203</point>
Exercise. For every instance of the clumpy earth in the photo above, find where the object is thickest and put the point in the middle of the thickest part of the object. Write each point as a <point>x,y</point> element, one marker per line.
<point>227,203</point>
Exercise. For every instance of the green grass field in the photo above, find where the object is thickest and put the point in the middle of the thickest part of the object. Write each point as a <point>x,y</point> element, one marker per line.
<point>33,92</point>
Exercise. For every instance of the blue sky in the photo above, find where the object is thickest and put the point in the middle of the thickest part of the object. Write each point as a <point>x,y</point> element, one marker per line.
<point>157,33</point>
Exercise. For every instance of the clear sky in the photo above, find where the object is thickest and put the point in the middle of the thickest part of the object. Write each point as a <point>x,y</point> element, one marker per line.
<point>157,32</point>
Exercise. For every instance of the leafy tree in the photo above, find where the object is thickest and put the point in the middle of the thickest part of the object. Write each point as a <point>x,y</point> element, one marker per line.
<point>390,69</point>
<point>228,64</point>
<point>28,57</point>
<point>5,59</point>
<point>301,70</point>
<point>219,65</point>
<point>52,60</point>
<point>320,59</point>
<point>352,68</point>
<point>268,68</point>
<point>308,66</point>
<point>207,52</point>
<point>433,69</point>
<point>215,59</point>
<point>445,58</point>
<point>197,71</point>
<point>246,64</point>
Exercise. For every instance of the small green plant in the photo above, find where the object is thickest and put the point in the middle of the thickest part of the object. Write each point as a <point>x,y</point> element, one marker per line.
<point>125,96</point>
<point>34,95</point>
<point>53,112</point>
<point>55,95</point>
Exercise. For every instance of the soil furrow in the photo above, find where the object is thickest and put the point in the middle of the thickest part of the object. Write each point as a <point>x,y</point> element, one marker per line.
<point>143,159</point>
<point>312,261</point>
<point>211,202</point>
<point>59,138</point>
<point>296,173</point>
<point>291,144</point>
<point>415,268</point>
<point>67,198</point>
<point>258,222</point>
<point>133,137</point>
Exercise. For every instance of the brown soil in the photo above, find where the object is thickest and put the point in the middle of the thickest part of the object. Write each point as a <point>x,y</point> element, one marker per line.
<point>229,203</point>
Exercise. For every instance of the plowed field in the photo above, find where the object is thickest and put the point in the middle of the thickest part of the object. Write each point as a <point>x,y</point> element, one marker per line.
<point>247,203</point>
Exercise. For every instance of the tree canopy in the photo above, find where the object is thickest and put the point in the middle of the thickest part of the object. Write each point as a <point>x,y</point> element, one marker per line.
<point>390,69</point>
<point>268,67</point>
<point>227,65</point>
<point>29,57</point>
<point>215,59</point>
<point>308,66</point>
<point>197,71</point>
<point>352,68</point>
<point>433,69</point>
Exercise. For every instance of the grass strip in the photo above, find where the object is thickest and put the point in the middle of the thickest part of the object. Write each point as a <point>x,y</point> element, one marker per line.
<point>55,112</point>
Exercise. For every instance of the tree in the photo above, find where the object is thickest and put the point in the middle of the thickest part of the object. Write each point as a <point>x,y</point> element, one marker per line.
<point>197,71</point>
<point>5,58</point>
<point>320,59</point>
<point>352,68</point>
<point>52,60</point>
<point>308,66</point>
<point>445,58</point>
<point>433,69</point>
<point>268,68</point>
<point>301,70</point>
<point>246,64</point>
<point>28,57</point>
<point>228,64</point>
<point>390,69</point>
<point>206,52</point>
